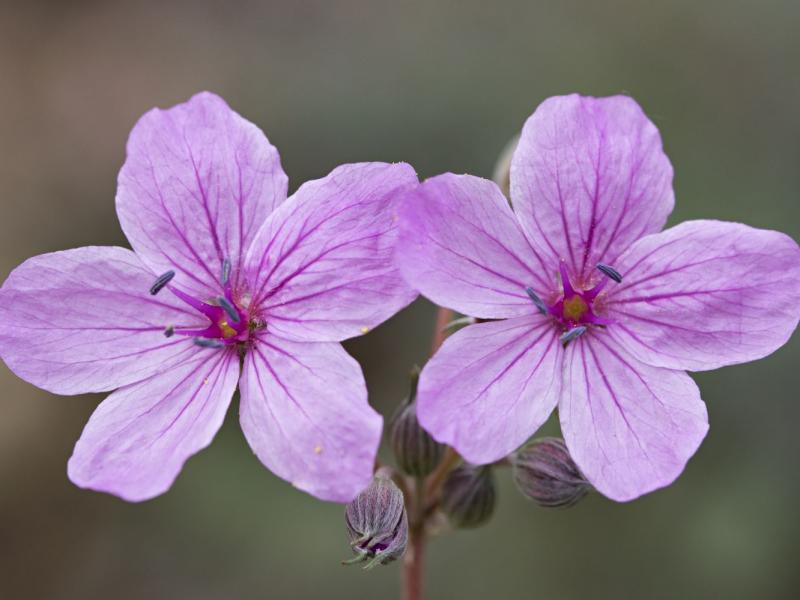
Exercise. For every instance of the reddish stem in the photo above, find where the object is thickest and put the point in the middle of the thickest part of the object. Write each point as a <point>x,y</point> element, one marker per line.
<point>413,561</point>
<point>443,318</point>
<point>412,566</point>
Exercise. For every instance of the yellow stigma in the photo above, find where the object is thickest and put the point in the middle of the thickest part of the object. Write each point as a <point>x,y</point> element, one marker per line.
<point>574,308</point>
<point>227,330</point>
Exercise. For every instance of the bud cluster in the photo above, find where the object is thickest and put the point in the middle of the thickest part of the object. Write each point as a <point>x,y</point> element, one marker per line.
<point>378,519</point>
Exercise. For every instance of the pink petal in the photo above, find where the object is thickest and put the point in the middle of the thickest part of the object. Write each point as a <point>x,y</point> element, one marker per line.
<point>198,182</point>
<point>491,386</point>
<point>630,427</point>
<point>304,412</point>
<point>588,178</point>
<point>706,294</point>
<point>82,320</point>
<point>322,264</point>
<point>138,438</point>
<point>461,246</point>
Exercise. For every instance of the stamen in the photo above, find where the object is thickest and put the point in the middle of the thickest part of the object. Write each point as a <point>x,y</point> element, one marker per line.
<point>161,282</point>
<point>169,331</point>
<point>230,309</point>
<point>609,272</point>
<point>536,300</point>
<point>226,272</point>
<point>572,334</point>
<point>207,343</point>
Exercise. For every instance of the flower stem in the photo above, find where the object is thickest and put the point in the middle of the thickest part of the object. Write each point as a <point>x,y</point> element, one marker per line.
<point>418,513</point>
<point>413,563</point>
<point>412,566</point>
<point>450,460</point>
<point>443,318</point>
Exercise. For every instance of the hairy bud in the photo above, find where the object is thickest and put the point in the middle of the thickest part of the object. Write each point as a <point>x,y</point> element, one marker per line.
<point>376,523</point>
<point>468,496</point>
<point>415,451</point>
<point>545,472</point>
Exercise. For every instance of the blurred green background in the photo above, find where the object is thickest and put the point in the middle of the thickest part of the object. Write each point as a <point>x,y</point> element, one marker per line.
<point>442,85</point>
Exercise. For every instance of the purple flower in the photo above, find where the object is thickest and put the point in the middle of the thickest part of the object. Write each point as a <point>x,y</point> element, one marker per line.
<point>591,189</point>
<point>230,283</point>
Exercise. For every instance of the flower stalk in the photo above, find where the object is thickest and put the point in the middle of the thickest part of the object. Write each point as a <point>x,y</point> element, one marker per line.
<point>413,563</point>
<point>425,492</point>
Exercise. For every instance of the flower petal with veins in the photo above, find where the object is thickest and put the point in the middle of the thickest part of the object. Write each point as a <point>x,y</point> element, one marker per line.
<point>138,438</point>
<point>588,178</point>
<point>197,183</point>
<point>323,262</point>
<point>304,412</point>
<point>630,427</point>
<point>82,320</point>
<point>461,246</point>
<point>705,294</point>
<point>491,386</point>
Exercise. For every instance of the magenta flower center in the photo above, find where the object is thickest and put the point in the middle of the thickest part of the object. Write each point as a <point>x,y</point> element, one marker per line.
<point>229,321</point>
<point>575,307</point>
<point>574,312</point>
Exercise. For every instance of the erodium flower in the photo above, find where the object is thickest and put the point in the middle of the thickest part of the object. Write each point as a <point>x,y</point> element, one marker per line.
<point>591,308</point>
<point>230,283</point>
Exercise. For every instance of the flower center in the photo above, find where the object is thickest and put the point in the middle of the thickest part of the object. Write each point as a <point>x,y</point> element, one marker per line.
<point>229,321</point>
<point>574,312</point>
<point>574,308</point>
<point>226,329</point>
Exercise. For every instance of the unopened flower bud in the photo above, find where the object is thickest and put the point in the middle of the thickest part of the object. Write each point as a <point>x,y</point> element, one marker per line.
<point>502,169</point>
<point>376,523</point>
<point>545,472</point>
<point>415,451</point>
<point>468,496</point>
